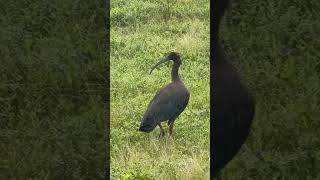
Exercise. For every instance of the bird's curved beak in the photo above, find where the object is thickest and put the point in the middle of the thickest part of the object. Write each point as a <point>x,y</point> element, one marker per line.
<point>160,62</point>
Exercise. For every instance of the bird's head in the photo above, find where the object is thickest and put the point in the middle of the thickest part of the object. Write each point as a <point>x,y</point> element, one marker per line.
<point>173,56</point>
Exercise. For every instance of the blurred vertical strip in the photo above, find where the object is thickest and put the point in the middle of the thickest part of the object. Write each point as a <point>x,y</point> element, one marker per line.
<point>275,46</point>
<point>108,87</point>
<point>54,89</point>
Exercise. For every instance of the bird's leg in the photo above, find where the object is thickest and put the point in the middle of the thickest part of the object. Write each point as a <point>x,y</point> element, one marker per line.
<point>161,131</point>
<point>171,129</point>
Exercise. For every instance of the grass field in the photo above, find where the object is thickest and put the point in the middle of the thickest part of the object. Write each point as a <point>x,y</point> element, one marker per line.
<point>142,31</point>
<point>276,47</point>
<point>53,89</point>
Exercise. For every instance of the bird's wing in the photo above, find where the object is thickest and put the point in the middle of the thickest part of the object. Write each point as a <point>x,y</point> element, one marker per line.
<point>166,103</point>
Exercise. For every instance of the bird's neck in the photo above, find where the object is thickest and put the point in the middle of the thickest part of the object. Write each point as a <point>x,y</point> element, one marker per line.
<point>175,71</point>
<point>217,47</point>
<point>218,52</point>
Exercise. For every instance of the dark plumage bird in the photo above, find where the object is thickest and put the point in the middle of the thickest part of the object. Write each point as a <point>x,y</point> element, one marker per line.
<point>233,105</point>
<point>169,102</point>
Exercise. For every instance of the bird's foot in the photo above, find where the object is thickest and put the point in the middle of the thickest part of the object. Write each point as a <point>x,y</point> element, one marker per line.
<point>161,136</point>
<point>171,140</point>
<point>171,137</point>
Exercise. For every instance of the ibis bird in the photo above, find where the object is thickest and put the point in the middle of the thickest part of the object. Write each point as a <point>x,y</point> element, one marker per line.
<point>169,101</point>
<point>233,104</point>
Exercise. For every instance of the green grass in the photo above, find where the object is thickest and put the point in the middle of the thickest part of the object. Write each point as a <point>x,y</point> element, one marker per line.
<point>275,46</point>
<point>53,89</point>
<point>143,31</point>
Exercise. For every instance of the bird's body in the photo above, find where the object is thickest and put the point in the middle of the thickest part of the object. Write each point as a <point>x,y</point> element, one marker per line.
<point>233,104</point>
<point>168,103</point>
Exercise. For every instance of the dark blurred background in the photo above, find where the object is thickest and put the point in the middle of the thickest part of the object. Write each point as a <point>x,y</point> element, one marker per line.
<point>54,79</point>
<point>276,47</point>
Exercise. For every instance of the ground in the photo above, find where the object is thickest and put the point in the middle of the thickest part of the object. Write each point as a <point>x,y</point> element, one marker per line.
<point>54,88</point>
